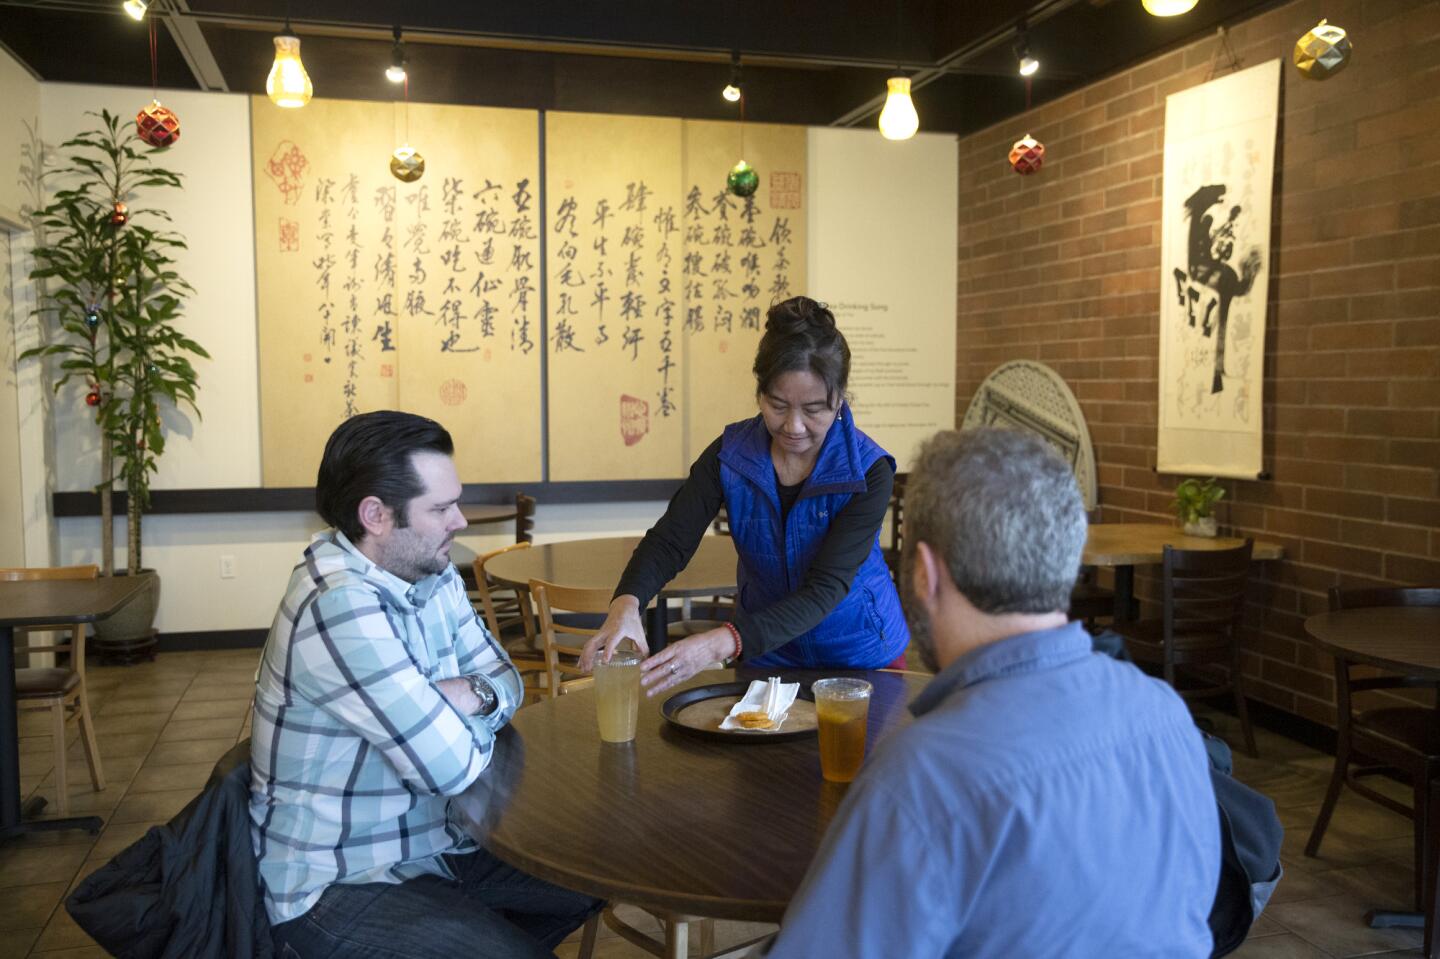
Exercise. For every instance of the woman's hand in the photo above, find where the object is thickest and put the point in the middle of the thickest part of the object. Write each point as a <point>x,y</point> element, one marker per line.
<point>679,661</point>
<point>622,623</point>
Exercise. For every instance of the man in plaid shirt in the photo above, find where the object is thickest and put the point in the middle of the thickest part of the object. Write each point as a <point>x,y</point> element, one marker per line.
<point>379,696</point>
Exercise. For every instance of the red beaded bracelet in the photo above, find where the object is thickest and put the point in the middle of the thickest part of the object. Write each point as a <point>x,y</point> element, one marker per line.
<point>735,633</point>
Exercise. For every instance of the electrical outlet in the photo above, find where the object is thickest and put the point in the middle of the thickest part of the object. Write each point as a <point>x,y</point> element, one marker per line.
<point>227,566</point>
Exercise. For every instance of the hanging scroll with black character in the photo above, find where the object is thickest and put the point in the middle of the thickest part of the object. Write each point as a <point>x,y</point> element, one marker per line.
<point>1215,254</point>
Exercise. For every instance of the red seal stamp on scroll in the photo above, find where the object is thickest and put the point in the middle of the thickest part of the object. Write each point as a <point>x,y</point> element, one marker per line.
<point>634,419</point>
<point>785,191</point>
<point>452,392</point>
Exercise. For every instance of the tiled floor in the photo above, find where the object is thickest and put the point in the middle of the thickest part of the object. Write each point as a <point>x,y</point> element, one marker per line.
<point>162,725</point>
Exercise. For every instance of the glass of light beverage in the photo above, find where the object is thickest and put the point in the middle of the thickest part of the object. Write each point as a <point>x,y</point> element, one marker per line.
<point>617,695</point>
<point>842,706</point>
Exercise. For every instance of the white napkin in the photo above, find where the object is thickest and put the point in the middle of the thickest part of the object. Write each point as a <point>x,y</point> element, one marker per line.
<point>755,701</point>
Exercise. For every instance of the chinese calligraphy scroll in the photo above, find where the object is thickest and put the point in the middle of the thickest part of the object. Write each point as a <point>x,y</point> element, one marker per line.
<point>658,284</point>
<point>374,293</point>
<point>1215,254</point>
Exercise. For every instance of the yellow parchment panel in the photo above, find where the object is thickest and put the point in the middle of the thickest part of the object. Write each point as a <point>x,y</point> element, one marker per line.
<point>374,293</point>
<point>615,297</point>
<point>741,255</point>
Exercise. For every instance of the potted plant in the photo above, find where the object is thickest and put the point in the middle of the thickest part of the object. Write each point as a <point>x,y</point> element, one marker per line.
<point>1194,503</point>
<point>108,287</point>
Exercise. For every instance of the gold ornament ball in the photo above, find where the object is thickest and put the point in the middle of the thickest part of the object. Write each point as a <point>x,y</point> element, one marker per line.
<point>406,164</point>
<point>1323,51</point>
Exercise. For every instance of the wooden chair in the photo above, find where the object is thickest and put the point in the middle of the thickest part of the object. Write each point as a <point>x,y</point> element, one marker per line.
<point>1395,738</point>
<point>897,526</point>
<point>1204,598</point>
<point>60,689</point>
<point>524,518</point>
<point>510,619</point>
<point>560,642</point>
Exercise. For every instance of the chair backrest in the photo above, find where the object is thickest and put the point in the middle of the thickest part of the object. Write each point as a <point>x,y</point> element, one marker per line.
<point>563,643</point>
<point>524,518</point>
<point>29,573</point>
<point>1384,596</point>
<point>897,525</point>
<point>497,619</point>
<point>575,685</point>
<point>1204,592</point>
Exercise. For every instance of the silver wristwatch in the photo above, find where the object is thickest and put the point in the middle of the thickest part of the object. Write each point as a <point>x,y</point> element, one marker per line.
<point>484,692</point>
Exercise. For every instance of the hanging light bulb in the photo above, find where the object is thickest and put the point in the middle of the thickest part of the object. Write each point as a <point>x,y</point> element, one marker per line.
<point>1028,65</point>
<point>1167,8</point>
<point>136,8</point>
<point>395,72</point>
<point>288,85</point>
<point>732,89</point>
<point>898,121</point>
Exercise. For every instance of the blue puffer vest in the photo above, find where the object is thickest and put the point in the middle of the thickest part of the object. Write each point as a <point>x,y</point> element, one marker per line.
<point>867,629</point>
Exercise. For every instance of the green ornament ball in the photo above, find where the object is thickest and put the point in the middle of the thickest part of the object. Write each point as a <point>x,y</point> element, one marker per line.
<point>743,180</point>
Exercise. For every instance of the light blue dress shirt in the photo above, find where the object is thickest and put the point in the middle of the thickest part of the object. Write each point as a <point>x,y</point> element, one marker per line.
<point>1048,801</point>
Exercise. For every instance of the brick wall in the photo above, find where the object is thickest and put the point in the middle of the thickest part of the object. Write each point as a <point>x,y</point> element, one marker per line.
<point>1064,267</point>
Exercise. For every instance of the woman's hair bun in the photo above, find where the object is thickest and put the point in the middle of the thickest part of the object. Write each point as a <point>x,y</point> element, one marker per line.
<point>799,314</point>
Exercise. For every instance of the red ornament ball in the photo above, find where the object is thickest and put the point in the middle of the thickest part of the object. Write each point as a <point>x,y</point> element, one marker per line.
<point>92,398</point>
<point>157,125</point>
<point>121,215</point>
<point>1026,155</point>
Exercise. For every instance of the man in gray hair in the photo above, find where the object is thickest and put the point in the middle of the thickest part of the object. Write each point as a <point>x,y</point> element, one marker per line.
<point>1047,800</point>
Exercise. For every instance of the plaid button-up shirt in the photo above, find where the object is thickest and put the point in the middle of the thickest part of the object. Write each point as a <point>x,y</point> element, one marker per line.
<point>354,751</point>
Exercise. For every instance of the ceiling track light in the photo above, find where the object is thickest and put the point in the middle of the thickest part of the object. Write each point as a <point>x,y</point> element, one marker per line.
<point>135,8</point>
<point>1027,64</point>
<point>732,89</point>
<point>395,72</point>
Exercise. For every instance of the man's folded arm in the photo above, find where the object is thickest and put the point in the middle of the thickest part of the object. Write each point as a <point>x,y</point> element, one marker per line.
<point>347,660</point>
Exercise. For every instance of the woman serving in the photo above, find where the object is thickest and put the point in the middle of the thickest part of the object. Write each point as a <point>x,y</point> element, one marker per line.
<point>806,493</point>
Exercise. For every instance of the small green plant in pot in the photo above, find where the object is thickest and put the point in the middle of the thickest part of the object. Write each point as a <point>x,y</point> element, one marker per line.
<point>1194,503</point>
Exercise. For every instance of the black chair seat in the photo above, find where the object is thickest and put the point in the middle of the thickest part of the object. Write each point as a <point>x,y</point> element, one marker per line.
<point>1151,633</point>
<point>1409,727</point>
<point>44,682</point>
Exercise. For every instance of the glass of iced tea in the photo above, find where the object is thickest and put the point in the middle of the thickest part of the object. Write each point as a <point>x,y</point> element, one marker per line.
<point>617,695</point>
<point>842,706</point>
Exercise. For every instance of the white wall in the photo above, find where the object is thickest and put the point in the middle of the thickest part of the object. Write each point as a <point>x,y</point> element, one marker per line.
<point>214,214</point>
<point>19,113</point>
<point>19,117</point>
<point>883,247</point>
<point>12,512</point>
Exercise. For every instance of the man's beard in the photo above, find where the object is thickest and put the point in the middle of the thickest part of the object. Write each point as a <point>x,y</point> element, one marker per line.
<point>411,559</point>
<point>916,617</point>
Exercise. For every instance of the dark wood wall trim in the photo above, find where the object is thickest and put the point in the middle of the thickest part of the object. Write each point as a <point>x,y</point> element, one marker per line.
<point>302,498</point>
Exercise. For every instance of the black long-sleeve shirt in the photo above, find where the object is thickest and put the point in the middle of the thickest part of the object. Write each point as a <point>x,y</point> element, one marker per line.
<point>670,543</point>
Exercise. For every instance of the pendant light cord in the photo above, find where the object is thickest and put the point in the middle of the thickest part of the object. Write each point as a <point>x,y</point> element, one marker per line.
<point>154,69</point>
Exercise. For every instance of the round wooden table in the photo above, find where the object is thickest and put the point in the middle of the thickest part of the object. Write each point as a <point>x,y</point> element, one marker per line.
<point>1402,639</point>
<point>668,822</point>
<point>1123,546</point>
<point>599,563</point>
<point>479,514</point>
